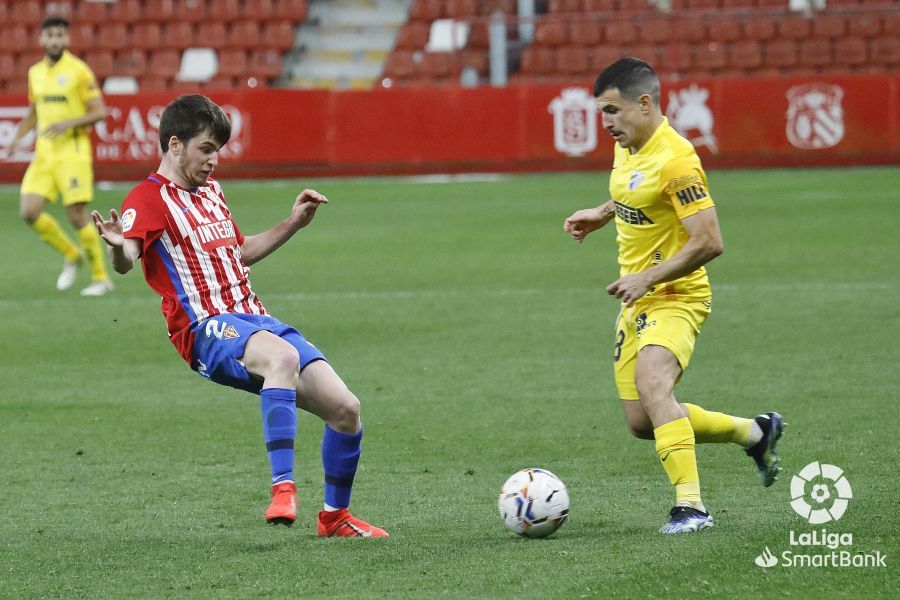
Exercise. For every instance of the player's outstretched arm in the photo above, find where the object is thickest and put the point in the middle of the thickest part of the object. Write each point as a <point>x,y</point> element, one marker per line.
<point>584,221</point>
<point>257,247</point>
<point>124,251</point>
<point>25,125</point>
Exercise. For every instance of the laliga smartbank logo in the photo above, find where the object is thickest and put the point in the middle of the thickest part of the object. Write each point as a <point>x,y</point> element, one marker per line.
<point>820,493</point>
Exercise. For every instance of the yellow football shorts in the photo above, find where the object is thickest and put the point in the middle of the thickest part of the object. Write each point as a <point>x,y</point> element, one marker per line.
<point>672,325</point>
<point>72,179</point>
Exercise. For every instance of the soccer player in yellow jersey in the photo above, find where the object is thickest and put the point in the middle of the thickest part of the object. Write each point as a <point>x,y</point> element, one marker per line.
<point>667,230</point>
<point>63,101</point>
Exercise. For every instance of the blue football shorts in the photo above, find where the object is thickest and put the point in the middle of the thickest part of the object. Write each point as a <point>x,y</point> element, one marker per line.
<point>219,345</point>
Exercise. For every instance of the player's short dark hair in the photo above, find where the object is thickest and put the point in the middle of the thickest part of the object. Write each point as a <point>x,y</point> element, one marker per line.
<point>632,77</point>
<point>191,115</point>
<point>54,21</point>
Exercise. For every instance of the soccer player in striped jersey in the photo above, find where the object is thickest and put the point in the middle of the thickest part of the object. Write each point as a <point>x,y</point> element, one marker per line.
<point>195,257</point>
<point>64,100</point>
<point>667,229</point>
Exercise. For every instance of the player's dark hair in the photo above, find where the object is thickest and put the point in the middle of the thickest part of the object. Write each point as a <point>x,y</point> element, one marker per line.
<point>191,115</point>
<point>632,77</point>
<point>54,22</point>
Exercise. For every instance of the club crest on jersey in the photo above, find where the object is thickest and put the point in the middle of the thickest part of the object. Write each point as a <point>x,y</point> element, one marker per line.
<point>127,219</point>
<point>61,80</point>
<point>636,178</point>
<point>230,333</point>
<point>222,331</point>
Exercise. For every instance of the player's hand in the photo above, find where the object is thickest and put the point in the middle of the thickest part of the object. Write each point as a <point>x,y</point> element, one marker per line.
<point>111,230</point>
<point>305,206</point>
<point>11,149</point>
<point>584,221</point>
<point>55,130</point>
<point>629,288</point>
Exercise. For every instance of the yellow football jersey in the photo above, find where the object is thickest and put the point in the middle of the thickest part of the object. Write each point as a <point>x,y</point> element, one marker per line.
<point>58,93</point>
<point>653,190</point>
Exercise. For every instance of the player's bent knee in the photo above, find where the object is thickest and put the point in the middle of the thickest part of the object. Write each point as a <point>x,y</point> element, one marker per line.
<point>285,363</point>
<point>641,432</point>
<point>29,214</point>
<point>345,413</point>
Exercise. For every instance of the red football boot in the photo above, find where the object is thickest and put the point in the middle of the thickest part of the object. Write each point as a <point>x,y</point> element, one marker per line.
<point>283,509</point>
<point>340,523</point>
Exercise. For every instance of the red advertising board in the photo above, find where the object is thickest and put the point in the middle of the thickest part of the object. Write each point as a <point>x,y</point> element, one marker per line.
<point>284,133</point>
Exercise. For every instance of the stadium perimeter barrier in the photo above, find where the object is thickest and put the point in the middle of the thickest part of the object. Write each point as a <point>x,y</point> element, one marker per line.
<point>754,122</point>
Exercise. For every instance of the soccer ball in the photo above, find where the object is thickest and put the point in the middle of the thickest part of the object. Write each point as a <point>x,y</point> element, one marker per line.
<point>534,503</point>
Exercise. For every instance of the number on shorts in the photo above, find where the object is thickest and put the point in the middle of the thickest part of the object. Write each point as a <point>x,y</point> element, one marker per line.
<point>620,339</point>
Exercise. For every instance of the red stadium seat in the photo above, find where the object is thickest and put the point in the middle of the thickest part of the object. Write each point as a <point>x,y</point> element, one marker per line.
<point>620,32</point>
<point>828,26</point>
<point>739,4</point>
<point>24,60</point>
<point>794,27</point>
<point>675,57</point>
<point>891,24</point>
<point>125,11</point>
<point>221,82</point>
<point>572,61</point>
<point>599,6</point>
<point>565,6</point>
<point>654,30</point>
<point>437,65</point>
<point>27,12</point>
<point>211,34</point>
<point>537,60</point>
<point>164,63</point>
<point>426,10</point>
<point>815,53</point>
<point>781,54</point>
<point>131,62</point>
<point>100,62</point>
<point>292,10</point>
<point>772,4</point>
<point>885,51</point>
<point>233,62</point>
<point>82,36</point>
<point>723,29</point>
<point>229,11</point>
<point>457,9</point>
<point>710,56</point>
<point>866,24</point>
<point>759,27</point>
<point>258,10</point>
<point>850,52</point>
<point>278,35</point>
<point>745,54</point>
<point>243,34</point>
<point>585,32</point>
<point>688,30</point>
<point>111,36</point>
<point>475,59</point>
<point>146,36</point>
<point>7,67</point>
<point>192,11</point>
<point>160,11</point>
<point>602,57</point>
<point>92,12</point>
<point>265,64</point>
<point>479,38</point>
<point>177,36</point>
<point>634,6</point>
<point>17,87</point>
<point>550,33</point>
<point>401,64</point>
<point>153,82</point>
<point>703,5</point>
<point>507,7</point>
<point>414,36</point>
<point>13,38</point>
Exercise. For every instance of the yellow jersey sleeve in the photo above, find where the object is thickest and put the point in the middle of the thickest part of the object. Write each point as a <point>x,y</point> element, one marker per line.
<point>684,186</point>
<point>87,84</point>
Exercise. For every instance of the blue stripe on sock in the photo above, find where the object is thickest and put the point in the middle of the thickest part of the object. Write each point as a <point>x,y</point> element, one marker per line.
<point>279,415</point>
<point>340,458</point>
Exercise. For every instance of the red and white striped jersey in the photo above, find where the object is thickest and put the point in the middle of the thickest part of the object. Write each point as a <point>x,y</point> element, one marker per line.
<point>191,254</point>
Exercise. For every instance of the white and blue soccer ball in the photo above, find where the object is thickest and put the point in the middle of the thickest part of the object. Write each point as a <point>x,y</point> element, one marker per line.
<point>534,503</point>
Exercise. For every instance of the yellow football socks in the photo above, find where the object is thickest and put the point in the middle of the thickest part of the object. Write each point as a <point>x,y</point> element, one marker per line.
<point>90,243</point>
<point>675,447</point>
<point>716,427</point>
<point>48,229</point>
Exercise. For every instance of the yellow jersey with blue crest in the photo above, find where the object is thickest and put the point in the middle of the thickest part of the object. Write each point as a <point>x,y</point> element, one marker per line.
<point>653,190</point>
<point>58,93</point>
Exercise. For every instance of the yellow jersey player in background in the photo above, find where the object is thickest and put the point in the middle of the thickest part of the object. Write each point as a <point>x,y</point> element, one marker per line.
<point>64,101</point>
<point>667,230</point>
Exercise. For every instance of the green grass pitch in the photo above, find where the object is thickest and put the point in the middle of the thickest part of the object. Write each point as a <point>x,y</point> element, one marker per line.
<point>478,338</point>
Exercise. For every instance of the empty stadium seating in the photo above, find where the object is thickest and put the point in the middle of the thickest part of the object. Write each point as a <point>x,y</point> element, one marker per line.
<point>146,39</point>
<point>697,38</point>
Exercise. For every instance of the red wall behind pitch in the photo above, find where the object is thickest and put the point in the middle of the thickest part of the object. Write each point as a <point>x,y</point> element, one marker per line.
<point>289,133</point>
